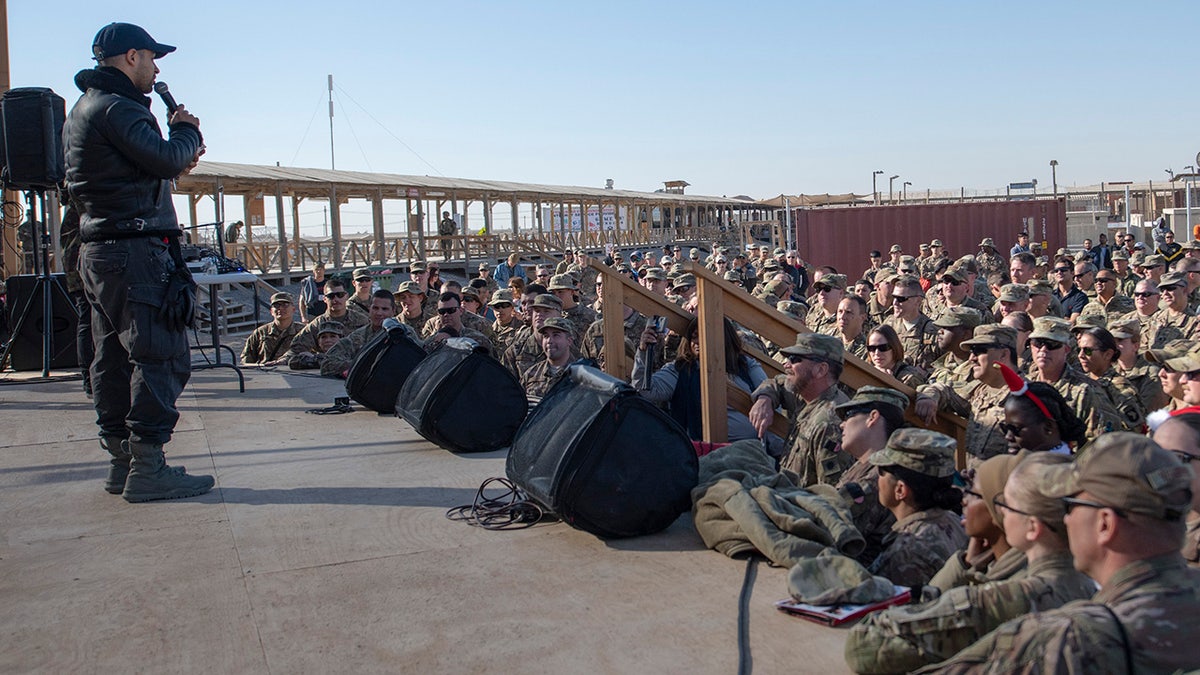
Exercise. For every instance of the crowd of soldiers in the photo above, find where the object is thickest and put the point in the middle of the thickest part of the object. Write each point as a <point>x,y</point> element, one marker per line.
<point>1103,340</point>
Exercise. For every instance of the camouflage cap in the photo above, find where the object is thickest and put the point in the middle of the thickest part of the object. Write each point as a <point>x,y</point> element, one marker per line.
<point>958,317</point>
<point>283,297</point>
<point>819,346</point>
<point>1039,287</point>
<point>936,243</point>
<point>330,326</point>
<point>907,259</point>
<point>417,267</point>
<point>1172,279</point>
<point>1051,328</point>
<point>1042,261</point>
<point>484,266</point>
<point>896,248</point>
<point>873,396</point>
<point>922,450</point>
<point>656,274</point>
<point>1120,254</point>
<point>955,273</point>
<point>1193,245</point>
<point>720,259</point>
<point>557,323</point>
<point>362,273</point>
<point>1128,472</point>
<point>835,580</point>
<point>694,254</point>
<point>764,247</point>
<point>469,292</point>
<point>887,275</point>
<point>678,268</point>
<point>771,266</point>
<point>1086,321</point>
<point>791,308</point>
<point>909,282</point>
<point>773,287</point>
<point>547,301</point>
<point>1188,362</point>
<point>779,251</point>
<point>1060,252</point>
<point>1172,350</point>
<point>987,241</point>
<point>1082,256</point>
<point>561,282</point>
<point>504,296</point>
<point>732,275</point>
<point>923,246</point>
<point>666,260</point>
<point>409,287</point>
<point>1125,328</point>
<point>993,334</point>
<point>837,281</point>
<point>1014,293</point>
<point>684,280</point>
<point>1154,261</point>
<point>966,264</point>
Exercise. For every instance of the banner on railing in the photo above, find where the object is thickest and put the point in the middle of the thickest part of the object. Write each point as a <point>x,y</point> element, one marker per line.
<point>569,220</point>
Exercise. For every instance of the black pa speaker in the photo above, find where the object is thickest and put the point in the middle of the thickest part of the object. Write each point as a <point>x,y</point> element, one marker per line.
<point>383,366</point>
<point>25,298</point>
<point>603,458</point>
<point>33,123</point>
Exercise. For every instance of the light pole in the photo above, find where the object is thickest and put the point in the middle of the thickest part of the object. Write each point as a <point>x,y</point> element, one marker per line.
<point>891,182</point>
<point>874,189</point>
<point>904,191</point>
<point>1054,175</point>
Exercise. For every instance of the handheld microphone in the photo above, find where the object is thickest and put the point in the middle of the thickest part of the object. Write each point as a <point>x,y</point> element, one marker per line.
<point>168,100</point>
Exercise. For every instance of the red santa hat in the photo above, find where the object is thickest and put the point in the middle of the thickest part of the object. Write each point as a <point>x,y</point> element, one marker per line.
<point>1020,387</point>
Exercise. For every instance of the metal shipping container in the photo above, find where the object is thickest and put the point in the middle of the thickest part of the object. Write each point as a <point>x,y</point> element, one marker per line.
<point>843,237</point>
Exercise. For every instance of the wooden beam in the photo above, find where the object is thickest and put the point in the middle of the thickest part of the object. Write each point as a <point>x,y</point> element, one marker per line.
<point>713,377</point>
<point>335,226</point>
<point>377,221</point>
<point>614,328</point>
<point>281,229</point>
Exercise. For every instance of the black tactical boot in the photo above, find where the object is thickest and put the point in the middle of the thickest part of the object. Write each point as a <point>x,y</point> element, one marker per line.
<point>150,478</point>
<point>118,468</point>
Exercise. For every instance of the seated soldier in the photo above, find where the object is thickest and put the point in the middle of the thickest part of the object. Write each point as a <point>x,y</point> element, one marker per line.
<point>328,332</point>
<point>916,474</point>
<point>1125,500</point>
<point>410,301</point>
<point>507,322</point>
<point>349,317</point>
<point>901,639</point>
<point>449,324</point>
<point>341,356</point>
<point>558,335</point>
<point>269,343</point>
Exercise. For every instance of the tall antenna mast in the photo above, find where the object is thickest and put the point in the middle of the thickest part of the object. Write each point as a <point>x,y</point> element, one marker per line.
<point>332,165</point>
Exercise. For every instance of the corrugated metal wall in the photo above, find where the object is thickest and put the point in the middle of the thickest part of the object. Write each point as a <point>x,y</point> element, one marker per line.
<point>842,237</point>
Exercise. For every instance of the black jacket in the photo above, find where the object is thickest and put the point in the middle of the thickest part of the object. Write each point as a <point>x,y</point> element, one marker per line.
<point>118,164</point>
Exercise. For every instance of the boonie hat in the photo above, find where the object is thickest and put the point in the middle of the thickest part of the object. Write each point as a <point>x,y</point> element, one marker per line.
<point>921,450</point>
<point>987,241</point>
<point>817,345</point>
<point>1127,472</point>
<point>118,38</point>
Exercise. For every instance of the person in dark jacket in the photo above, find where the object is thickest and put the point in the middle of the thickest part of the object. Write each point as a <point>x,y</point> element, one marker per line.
<point>119,170</point>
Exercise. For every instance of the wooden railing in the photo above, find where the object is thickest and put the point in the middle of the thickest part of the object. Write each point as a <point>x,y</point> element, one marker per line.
<point>265,256</point>
<point>720,299</point>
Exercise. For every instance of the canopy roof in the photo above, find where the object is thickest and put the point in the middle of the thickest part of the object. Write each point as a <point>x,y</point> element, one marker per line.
<point>810,200</point>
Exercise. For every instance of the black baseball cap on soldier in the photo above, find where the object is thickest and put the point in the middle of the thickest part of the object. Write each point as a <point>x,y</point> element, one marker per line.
<point>118,38</point>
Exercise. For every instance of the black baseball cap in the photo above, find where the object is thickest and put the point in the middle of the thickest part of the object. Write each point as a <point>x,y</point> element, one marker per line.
<point>118,38</point>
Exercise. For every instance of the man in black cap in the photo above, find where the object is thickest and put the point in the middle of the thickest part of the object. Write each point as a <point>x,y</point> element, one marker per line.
<point>142,296</point>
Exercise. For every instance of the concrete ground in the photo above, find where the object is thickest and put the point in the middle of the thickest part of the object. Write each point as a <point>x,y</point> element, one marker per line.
<point>325,547</point>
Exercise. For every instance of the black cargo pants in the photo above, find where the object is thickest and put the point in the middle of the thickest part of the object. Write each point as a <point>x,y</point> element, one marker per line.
<point>141,364</point>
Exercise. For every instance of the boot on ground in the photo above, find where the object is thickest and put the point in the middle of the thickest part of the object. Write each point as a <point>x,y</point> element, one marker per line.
<point>151,479</point>
<point>118,468</point>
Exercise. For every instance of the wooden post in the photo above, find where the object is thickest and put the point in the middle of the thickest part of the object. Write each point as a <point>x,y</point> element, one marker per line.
<point>713,400</point>
<point>537,216</point>
<point>614,326</point>
<point>281,231</point>
<point>193,218</point>
<point>516,225</point>
<point>335,226</point>
<point>487,214</point>
<point>377,221</point>
<point>296,231</point>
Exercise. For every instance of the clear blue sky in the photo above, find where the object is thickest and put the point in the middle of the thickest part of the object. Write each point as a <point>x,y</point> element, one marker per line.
<point>754,98</point>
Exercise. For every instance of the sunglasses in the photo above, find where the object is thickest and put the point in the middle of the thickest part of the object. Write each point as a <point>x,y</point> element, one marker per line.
<point>903,298</point>
<point>337,294</point>
<point>1049,345</point>
<point>446,311</point>
<point>1145,294</point>
<point>879,348</point>
<point>1070,503</point>
<point>1105,280</point>
<point>952,282</point>
<point>1063,270</point>
<point>996,501</point>
<point>1006,428</point>
<point>798,358</point>
<point>1169,289</point>
<point>855,413</point>
<point>980,350</point>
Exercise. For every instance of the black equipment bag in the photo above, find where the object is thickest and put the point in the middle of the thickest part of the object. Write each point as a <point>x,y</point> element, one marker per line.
<point>382,366</point>
<point>461,399</point>
<point>604,459</point>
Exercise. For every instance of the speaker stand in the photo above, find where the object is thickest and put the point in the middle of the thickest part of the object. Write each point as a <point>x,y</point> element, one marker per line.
<point>44,285</point>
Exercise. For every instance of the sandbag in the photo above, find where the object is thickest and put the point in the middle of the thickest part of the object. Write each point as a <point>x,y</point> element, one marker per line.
<point>461,399</point>
<point>380,369</point>
<point>602,458</point>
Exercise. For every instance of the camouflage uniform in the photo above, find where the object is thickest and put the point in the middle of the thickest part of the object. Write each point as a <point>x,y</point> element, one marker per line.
<point>306,338</point>
<point>1154,601</point>
<point>815,437</point>
<point>1128,283</point>
<point>877,314</point>
<point>820,322</point>
<point>1088,399</point>
<point>526,350</point>
<point>901,639</point>
<point>990,263</point>
<point>909,374</point>
<point>593,340</point>
<point>1167,325</point>
<point>471,321</point>
<point>1143,377</point>
<point>586,278</point>
<point>919,545</point>
<point>1118,305</point>
<point>857,346</point>
<point>982,406</point>
<point>581,318</point>
<point>469,333</point>
<point>949,369</point>
<point>505,335</point>
<point>268,343</point>
<point>920,341</point>
<point>341,356</point>
<point>859,486</point>
<point>1126,399</point>
<point>310,359</point>
<point>540,377</point>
